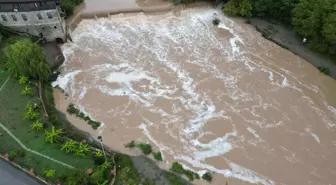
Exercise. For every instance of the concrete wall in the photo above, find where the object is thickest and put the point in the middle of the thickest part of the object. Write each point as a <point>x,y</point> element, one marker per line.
<point>51,28</point>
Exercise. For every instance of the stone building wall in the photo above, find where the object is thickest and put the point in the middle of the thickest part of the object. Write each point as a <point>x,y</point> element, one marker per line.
<point>47,22</point>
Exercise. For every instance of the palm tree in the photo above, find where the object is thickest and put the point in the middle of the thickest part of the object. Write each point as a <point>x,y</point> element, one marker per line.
<point>99,153</point>
<point>37,126</point>
<point>27,91</point>
<point>31,113</point>
<point>53,136</point>
<point>82,150</point>
<point>23,80</point>
<point>49,173</point>
<point>69,146</point>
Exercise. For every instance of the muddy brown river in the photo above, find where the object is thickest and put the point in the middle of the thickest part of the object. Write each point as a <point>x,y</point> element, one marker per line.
<point>214,98</point>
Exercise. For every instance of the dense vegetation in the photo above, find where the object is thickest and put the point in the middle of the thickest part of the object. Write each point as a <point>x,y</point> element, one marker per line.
<point>315,20</point>
<point>24,58</point>
<point>68,6</point>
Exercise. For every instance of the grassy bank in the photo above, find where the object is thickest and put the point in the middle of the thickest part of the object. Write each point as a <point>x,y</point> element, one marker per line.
<point>12,111</point>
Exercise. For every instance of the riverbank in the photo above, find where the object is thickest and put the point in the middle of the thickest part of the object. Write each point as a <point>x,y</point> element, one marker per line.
<point>288,39</point>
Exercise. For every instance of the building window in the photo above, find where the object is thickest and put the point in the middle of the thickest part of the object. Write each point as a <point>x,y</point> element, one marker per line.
<point>49,15</point>
<point>24,17</point>
<point>4,18</point>
<point>14,18</point>
<point>39,16</point>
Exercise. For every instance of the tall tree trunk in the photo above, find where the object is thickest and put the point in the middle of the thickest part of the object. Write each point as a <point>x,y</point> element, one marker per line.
<point>41,99</point>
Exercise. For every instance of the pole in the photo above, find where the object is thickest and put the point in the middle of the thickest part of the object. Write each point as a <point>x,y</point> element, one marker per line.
<point>101,143</point>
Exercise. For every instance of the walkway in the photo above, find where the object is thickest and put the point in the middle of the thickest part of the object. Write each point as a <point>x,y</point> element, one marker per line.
<point>289,39</point>
<point>9,175</point>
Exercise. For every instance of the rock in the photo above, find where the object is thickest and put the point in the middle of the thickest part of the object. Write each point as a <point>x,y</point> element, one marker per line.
<point>31,171</point>
<point>6,156</point>
<point>89,171</point>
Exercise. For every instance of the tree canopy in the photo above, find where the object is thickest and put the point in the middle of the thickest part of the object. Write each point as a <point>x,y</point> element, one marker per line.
<point>317,20</point>
<point>24,58</point>
<point>239,7</point>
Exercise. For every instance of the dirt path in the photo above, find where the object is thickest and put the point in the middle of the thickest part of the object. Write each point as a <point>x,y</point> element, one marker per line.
<point>288,39</point>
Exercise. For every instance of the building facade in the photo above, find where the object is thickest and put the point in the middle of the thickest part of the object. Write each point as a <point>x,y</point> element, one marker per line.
<point>41,18</point>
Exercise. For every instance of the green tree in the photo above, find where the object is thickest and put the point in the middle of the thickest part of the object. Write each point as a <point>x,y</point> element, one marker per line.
<point>82,150</point>
<point>37,126</point>
<point>238,7</point>
<point>265,9</point>
<point>315,20</point>
<point>69,146</point>
<point>24,58</point>
<point>23,80</point>
<point>53,136</point>
<point>27,91</point>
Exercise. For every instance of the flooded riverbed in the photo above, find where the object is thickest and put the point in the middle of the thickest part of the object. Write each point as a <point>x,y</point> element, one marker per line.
<point>220,99</point>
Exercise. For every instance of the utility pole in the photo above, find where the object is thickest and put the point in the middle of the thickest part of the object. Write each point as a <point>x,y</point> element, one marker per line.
<point>100,138</point>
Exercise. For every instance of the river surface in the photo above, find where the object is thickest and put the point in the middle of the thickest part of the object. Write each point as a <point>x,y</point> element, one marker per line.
<point>215,98</point>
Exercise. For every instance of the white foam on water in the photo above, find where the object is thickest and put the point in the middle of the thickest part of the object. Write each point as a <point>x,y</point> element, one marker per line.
<point>252,131</point>
<point>216,147</point>
<point>236,171</point>
<point>312,134</point>
<point>82,93</point>
<point>63,81</point>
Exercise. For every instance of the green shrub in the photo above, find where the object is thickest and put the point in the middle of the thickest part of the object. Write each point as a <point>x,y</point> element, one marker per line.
<point>72,109</point>
<point>207,176</point>
<point>325,70</point>
<point>157,156</point>
<point>94,124</point>
<point>174,179</point>
<point>177,167</point>
<point>77,177</point>
<point>12,155</point>
<point>215,22</point>
<point>21,153</point>
<point>145,148</point>
<point>130,144</point>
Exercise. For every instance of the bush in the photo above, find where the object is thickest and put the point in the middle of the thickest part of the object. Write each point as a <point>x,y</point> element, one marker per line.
<point>130,144</point>
<point>145,148</point>
<point>207,176</point>
<point>325,70</point>
<point>72,109</point>
<point>216,22</point>
<point>12,155</point>
<point>157,156</point>
<point>174,179</point>
<point>21,153</point>
<point>94,124</point>
<point>177,167</point>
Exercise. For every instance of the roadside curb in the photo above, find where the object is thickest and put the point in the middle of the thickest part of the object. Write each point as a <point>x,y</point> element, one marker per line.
<point>39,179</point>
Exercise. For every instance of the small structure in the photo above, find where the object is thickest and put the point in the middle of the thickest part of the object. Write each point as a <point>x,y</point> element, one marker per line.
<point>42,18</point>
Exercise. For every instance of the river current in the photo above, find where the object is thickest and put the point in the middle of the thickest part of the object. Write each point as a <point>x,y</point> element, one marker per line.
<point>214,98</point>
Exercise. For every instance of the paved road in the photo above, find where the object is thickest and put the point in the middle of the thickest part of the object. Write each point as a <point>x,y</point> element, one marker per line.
<point>9,175</point>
